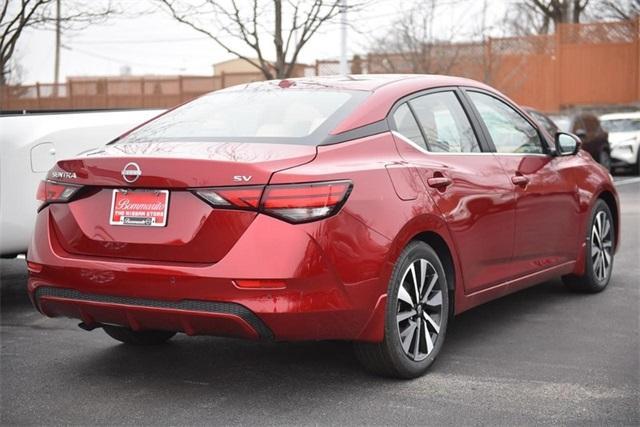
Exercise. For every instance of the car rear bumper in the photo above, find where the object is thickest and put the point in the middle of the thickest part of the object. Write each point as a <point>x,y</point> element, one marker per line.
<point>188,316</point>
<point>312,301</point>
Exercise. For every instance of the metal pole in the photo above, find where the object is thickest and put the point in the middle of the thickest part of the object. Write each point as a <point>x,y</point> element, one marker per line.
<point>344,68</point>
<point>56,70</point>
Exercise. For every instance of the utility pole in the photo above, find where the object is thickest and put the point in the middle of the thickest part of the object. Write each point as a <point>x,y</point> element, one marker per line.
<point>344,66</point>
<point>56,70</point>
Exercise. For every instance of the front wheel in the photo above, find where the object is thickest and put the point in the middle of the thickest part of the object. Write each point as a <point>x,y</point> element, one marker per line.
<point>599,256</point>
<point>416,318</point>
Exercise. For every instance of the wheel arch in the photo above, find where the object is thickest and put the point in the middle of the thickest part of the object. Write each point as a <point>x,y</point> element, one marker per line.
<point>441,247</point>
<point>610,199</point>
<point>443,251</point>
<point>608,196</point>
<point>435,236</point>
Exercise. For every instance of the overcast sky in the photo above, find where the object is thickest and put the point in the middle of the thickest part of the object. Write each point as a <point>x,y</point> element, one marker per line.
<point>154,43</point>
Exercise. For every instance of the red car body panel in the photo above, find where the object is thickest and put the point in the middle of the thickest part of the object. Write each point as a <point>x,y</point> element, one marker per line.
<point>329,276</point>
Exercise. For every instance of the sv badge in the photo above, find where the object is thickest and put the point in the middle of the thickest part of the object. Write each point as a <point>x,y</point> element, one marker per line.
<point>242,178</point>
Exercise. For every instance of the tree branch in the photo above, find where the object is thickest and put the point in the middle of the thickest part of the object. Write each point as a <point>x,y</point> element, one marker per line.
<point>184,19</point>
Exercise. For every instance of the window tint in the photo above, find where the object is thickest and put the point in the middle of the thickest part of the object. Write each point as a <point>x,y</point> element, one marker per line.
<point>255,114</point>
<point>510,132</point>
<point>445,125</point>
<point>407,126</point>
<point>545,122</point>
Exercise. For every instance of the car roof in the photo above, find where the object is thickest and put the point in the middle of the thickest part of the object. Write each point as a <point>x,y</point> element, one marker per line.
<point>368,82</point>
<point>619,116</point>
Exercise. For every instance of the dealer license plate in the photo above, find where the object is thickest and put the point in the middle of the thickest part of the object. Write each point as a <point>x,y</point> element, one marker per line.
<point>144,208</point>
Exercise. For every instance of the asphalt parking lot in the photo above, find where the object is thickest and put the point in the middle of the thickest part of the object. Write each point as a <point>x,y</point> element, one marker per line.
<point>543,355</point>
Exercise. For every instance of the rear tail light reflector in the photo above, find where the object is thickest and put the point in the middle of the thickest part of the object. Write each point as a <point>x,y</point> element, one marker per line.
<point>34,267</point>
<point>260,284</point>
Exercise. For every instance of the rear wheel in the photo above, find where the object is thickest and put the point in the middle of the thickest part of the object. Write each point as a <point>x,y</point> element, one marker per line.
<point>599,256</point>
<point>416,317</point>
<point>129,336</point>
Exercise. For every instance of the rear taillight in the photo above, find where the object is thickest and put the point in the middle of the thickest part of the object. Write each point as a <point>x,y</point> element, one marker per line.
<point>232,197</point>
<point>305,202</point>
<point>55,192</point>
<point>296,203</point>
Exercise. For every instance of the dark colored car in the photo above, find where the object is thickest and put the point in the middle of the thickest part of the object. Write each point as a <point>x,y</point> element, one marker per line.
<point>595,140</point>
<point>363,208</point>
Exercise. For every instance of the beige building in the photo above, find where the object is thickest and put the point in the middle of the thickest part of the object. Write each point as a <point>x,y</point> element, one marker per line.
<point>236,65</point>
<point>242,66</point>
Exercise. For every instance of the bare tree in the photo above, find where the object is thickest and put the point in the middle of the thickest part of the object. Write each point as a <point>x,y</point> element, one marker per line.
<point>523,18</point>
<point>19,15</point>
<point>615,9</point>
<point>236,28</point>
<point>11,27</point>
<point>541,16</point>
<point>412,44</point>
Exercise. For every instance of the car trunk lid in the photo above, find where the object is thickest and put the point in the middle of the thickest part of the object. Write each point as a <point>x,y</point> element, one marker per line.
<point>85,226</point>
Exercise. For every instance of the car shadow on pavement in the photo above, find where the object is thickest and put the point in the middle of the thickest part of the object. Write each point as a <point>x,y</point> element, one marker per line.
<point>234,364</point>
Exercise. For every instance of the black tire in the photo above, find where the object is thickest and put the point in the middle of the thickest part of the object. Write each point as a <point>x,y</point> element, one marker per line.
<point>636,168</point>
<point>593,281</point>
<point>389,357</point>
<point>129,336</point>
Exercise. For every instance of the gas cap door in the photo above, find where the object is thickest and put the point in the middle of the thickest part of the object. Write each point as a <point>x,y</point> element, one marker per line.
<point>43,157</point>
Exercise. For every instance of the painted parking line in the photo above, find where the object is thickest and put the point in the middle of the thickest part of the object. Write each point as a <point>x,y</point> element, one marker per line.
<point>627,181</point>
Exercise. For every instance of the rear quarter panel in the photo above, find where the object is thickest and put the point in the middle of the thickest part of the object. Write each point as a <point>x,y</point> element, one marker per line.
<point>365,239</point>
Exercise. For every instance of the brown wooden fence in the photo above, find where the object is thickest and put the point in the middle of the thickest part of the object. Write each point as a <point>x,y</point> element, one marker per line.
<point>117,92</point>
<point>581,64</point>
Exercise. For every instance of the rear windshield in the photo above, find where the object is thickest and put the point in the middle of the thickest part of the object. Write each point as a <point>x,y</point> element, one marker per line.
<point>621,125</point>
<point>272,115</point>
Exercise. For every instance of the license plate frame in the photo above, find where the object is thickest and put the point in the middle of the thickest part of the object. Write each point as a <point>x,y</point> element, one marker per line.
<point>142,217</point>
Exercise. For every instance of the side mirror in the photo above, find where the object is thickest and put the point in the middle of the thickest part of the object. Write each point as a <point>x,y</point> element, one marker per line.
<point>567,143</point>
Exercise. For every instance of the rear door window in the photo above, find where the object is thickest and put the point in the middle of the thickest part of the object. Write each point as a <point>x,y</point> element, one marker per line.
<point>407,125</point>
<point>444,123</point>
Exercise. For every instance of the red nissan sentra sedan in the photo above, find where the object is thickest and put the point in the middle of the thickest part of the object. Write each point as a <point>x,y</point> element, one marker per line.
<point>362,208</point>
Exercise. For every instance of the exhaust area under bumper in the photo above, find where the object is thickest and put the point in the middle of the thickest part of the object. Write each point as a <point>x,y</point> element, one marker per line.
<point>189,316</point>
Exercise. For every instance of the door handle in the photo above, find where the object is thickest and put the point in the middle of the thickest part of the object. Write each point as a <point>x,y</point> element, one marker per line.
<point>439,182</point>
<point>520,180</point>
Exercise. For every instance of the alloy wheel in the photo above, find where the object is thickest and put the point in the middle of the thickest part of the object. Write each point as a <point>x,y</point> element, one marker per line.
<point>601,246</point>
<point>419,309</point>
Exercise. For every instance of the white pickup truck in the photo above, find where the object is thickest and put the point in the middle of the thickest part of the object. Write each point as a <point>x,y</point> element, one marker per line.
<point>31,143</point>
